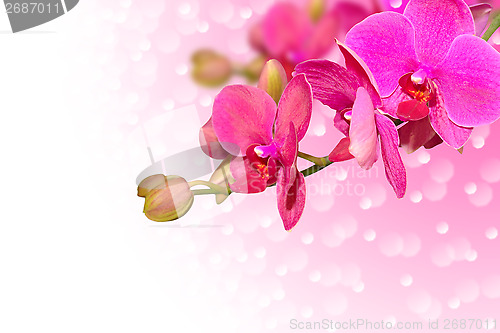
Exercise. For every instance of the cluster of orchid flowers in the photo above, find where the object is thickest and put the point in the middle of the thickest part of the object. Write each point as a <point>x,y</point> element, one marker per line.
<point>417,78</point>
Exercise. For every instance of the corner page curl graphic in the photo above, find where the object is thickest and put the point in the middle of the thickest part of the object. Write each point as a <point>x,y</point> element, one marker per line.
<point>26,14</point>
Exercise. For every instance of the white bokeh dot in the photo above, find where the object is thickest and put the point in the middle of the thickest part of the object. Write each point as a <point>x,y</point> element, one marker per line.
<point>246,12</point>
<point>454,303</point>
<point>370,235</point>
<point>416,196</point>
<point>491,233</point>
<point>406,280</point>
<point>281,270</point>
<point>442,228</point>
<point>307,238</point>
<point>470,188</point>
<point>423,157</point>
<point>478,142</point>
<point>396,3</point>
<point>315,276</point>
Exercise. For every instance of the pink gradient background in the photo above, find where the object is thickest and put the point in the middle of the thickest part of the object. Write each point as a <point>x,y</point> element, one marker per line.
<point>233,268</point>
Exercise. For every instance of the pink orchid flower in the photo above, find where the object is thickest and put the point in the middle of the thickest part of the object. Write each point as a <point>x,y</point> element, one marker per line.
<point>264,138</point>
<point>289,34</point>
<point>353,92</point>
<point>432,65</point>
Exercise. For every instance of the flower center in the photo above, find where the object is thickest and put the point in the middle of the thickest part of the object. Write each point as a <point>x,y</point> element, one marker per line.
<point>263,160</point>
<point>417,85</point>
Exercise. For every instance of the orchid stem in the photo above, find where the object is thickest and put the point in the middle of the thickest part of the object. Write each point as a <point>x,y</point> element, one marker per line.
<point>214,189</point>
<point>202,192</point>
<point>315,168</point>
<point>495,24</point>
<point>319,161</point>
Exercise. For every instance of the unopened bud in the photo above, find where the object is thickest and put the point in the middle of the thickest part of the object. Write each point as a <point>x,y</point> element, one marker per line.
<point>273,79</point>
<point>210,68</point>
<point>316,9</point>
<point>254,68</point>
<point>150,183</point>
<point>167,199</point>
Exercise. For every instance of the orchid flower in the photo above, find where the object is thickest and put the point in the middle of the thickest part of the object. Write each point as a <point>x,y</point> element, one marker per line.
<point>292,34</point>
<point>263,138</point>
<point>353,92</point>
<point>431,64</point>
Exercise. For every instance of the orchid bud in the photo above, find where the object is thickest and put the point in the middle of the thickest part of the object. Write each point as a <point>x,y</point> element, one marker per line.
<point>273,79</point>
<point>210,68</point>
<point>167,199</point>
<point>316,9</point>
<point>150,183</point>
<point>253,69</point>
<point>222,177</point>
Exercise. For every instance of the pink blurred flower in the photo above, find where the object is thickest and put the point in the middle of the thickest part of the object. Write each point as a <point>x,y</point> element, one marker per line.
<point>430,55</point>
<point>353,92</point>
<point>289,33</point>
<point>264,138</point>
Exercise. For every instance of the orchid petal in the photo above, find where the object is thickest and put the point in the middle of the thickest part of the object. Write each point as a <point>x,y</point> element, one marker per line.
<point>394,168</point>
<point>285,28</point>
<point>341,152</point>
<point>243,115</point>
<point>291,199</point>
<point>437,23</point>
<point>288,151</point>
<point>450,132</point>
<point>363,131</point>
<point>391,103</point>
<point>295,106</point>
<point>332,84</point>
<point>385,41</point>
<point>481,13</point>
<point>412,110</point>
<point>209,142</point>
<point>356,65</point>
<point>468,80</point>
<point>416,134</point>
<point>436,140</point>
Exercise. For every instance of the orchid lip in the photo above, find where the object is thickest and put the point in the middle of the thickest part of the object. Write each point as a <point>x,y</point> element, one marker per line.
<point>267,151</point>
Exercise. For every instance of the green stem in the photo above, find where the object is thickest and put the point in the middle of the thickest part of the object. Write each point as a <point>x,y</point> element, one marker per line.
<point>214,189</point>
<point>313,169</point>
<point>202,192</point>
<point>320,161</point>
<point>495,24</point>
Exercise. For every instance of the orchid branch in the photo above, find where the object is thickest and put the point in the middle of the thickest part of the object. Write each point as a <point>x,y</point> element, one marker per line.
<point>214,188</point>
<point>319,161</point>
<point>495,24</point>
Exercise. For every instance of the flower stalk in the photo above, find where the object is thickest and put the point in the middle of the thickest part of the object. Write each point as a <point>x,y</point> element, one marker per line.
<point>495,24</point>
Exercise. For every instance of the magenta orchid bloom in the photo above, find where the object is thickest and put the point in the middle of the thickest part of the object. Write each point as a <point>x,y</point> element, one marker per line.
<point>354,94</point>
<point>244,119</point>
<point>432,65</point>
<point>287,33</point>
